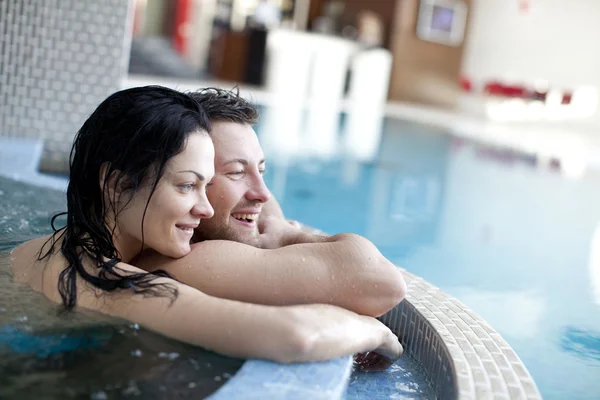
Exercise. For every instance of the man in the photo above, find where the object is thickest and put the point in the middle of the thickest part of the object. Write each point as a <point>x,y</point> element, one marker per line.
<point>248,252</point>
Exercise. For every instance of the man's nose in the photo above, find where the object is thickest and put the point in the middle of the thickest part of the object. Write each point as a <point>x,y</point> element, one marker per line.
<point>258,191</point>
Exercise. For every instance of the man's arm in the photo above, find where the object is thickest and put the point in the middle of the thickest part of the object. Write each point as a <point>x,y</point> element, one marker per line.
<point>344,270</point>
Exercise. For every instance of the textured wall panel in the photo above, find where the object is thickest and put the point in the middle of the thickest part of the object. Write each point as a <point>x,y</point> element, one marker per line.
<point>58,60</point>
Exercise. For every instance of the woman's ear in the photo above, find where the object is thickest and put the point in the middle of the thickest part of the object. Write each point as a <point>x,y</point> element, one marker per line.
<point>110,184</point>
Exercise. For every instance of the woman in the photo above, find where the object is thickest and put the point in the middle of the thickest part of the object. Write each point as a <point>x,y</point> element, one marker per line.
<point>138,172</point>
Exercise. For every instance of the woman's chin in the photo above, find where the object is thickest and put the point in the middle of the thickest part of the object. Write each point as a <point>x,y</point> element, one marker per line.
<point>182,250</point>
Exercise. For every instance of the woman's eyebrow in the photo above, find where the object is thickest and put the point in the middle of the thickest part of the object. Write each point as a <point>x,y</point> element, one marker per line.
<point>200,176</point>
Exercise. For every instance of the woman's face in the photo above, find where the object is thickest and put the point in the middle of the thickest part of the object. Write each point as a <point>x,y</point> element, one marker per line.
<point>176,207</point>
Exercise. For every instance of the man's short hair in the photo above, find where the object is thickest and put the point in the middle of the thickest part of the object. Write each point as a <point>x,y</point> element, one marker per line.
<point>226,105</point>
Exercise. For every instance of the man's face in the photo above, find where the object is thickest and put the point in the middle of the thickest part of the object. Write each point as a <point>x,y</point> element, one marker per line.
<point>238,190</point>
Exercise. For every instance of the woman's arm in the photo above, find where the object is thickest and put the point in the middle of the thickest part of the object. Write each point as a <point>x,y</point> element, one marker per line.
<point>284,334</point>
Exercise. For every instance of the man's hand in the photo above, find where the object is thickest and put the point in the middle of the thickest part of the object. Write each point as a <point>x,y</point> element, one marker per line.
<point>372,362</point>
<point>276,232</point>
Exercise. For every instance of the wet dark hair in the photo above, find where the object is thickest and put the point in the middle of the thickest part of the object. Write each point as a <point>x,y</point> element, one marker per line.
<point>134,132</point>
<point>226,105</point>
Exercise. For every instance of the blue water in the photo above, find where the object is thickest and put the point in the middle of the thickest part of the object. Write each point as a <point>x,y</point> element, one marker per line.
<point>510,236</point>
<point>48,355</point>
<point>402,380</point>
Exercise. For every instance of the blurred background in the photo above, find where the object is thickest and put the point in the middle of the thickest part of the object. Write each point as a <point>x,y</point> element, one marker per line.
<point>478,67</point>
<point>460,136</point>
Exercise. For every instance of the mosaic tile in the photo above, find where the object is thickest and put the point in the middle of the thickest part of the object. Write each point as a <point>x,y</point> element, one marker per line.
<point>45,52</point>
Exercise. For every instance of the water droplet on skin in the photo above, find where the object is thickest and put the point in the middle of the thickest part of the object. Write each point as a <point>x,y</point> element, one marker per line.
<point>318,279</point>
<point>332,277</point>
<point>376,286</point>
<point>303,259</point>
<point>353,286</point>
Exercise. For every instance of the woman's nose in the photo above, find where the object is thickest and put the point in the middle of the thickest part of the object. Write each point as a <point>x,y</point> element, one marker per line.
<point>203,209</point>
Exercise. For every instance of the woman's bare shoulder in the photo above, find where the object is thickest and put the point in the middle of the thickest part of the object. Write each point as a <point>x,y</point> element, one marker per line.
<point>29,268</point>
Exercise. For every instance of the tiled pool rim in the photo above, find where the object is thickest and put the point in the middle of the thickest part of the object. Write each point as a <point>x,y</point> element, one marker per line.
<point>461,354</point>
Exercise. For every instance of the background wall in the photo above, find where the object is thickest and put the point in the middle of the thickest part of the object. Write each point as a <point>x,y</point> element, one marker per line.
<point>554,40</point>
<point>58,60</point>
<point>422,72</point>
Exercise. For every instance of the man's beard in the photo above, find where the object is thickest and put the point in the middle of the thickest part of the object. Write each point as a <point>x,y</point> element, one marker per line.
<point>215,231</point>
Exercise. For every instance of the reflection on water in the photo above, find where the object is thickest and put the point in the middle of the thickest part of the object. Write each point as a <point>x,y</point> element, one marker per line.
<point>524,310</point>
<point>584,344</point>
<point>594,264</point>
<point>45,354</point>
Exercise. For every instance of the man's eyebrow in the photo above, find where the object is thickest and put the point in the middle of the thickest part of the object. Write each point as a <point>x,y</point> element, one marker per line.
<point>237,160</point>
<point>242,161</point>
<point>200,176</point>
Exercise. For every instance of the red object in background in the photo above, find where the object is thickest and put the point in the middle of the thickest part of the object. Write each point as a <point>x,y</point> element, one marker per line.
<point>566,98</point>
<point>493,88</point>
<point>182,22</point>
<point>514,91</point>
<point>465,84</point>
<point>524,5</point>
<point>499,89</point>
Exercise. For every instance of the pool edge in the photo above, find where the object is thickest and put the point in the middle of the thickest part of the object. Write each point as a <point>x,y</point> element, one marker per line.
<point>463,356</point>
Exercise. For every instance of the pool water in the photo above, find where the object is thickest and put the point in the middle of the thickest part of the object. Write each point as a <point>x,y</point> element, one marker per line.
<point>402,380</point>
<point>509,234</point>
<point>45,354</point>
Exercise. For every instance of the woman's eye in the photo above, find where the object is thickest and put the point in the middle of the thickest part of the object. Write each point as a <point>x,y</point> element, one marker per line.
<point>187,187</point>
<point>262,171</point>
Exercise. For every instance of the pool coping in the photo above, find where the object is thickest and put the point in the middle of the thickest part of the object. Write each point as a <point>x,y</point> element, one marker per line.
<point>483,364</point>
<point>461,354</point>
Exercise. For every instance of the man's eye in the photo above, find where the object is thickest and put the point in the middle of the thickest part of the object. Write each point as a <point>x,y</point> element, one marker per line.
<point>207,186</point>
<point>236,173</point>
